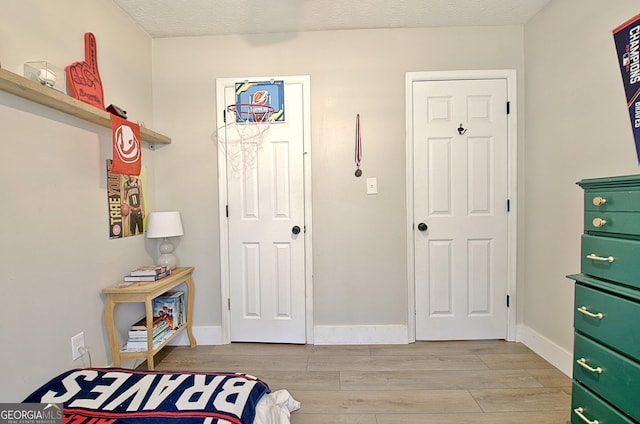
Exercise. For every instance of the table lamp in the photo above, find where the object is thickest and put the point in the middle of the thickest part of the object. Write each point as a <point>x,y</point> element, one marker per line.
<point>164,225</point>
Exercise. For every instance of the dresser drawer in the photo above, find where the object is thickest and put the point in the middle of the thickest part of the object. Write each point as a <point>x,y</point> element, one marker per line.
<point>612,376</point>
<point>611,200</point>
<point>612,222</point>
<point>611,258</point>
<point>592,408</point>
<point>608,318</point>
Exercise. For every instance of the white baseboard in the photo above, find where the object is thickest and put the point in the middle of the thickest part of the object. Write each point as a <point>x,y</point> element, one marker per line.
<point>323,335</point>
<point>204,335</point>
<point>360,334</point>
<point>390,334</point>
<point>547,349</point>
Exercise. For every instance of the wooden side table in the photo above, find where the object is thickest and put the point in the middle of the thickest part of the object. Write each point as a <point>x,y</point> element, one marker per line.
<point>145,292</point>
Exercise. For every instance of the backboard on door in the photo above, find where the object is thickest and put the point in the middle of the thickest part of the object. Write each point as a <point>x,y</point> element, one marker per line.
<point>257,105</point>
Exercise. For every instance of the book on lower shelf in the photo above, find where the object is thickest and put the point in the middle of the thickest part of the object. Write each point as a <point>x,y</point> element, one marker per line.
<point>141,324</point>
<point>138,335</point>
<point>161,327</point>
<point>168,316</point>
<point>141,345</point>
<point>170,308</point>
<point>147,278</point>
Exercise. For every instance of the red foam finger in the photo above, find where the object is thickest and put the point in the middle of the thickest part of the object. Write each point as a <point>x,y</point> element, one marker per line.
<point>83,77</point>
<point>91,52</point>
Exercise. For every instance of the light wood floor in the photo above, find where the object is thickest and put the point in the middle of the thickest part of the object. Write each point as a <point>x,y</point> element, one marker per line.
<point>476,382</point>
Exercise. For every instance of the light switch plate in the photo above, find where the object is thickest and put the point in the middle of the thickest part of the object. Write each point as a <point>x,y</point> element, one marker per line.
<point>372,185</point>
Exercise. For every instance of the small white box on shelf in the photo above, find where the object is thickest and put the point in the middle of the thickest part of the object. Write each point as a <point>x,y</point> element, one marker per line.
<point>46,74</point>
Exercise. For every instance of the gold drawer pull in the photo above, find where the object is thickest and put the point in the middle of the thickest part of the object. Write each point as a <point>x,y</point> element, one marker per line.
<point>585,311</point>
<point>583,363</point>
<point>599,201</point>
<point>599,222</point>
<point>595,257</point>
<point>580,412</point>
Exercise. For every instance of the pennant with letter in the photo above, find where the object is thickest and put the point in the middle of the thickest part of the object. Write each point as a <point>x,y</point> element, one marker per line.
<point>627,40</point>
<point>127,151</point>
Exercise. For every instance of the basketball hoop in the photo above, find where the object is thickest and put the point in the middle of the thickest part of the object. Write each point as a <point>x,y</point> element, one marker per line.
<point>243,134</point>
<point>247,112</point>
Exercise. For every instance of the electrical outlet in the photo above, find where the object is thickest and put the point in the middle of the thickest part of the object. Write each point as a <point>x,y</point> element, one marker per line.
<point>77,345</point>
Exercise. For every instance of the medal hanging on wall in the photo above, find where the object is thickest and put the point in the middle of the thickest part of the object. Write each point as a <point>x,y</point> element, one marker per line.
<point>358,147</point>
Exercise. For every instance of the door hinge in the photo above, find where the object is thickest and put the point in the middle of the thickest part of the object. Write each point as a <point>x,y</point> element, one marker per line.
<point>227,210</point>
<point>508,301</point>
<point>224,116</point>
<point>508,205</point>
<point>228,303</point>
<point>508,108</point>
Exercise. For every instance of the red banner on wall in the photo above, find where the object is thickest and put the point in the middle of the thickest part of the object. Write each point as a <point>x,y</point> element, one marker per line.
<point>127,151</point>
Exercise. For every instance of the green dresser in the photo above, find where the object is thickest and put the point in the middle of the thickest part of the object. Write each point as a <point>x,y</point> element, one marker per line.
<point>606,367</point>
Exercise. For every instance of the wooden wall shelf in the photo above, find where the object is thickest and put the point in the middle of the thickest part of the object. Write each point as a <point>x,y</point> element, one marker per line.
<point>30,90</point>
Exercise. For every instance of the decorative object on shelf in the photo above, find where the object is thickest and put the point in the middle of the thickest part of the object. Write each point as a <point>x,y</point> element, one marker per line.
<point>127,151</point>
<point>165,225</point>
<point>83,77</point>
<point>46,74</point>
<point>358,172</point>
<point>117,111</point>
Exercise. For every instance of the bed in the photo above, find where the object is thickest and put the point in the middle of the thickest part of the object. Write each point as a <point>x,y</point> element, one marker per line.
<point>123,396</point>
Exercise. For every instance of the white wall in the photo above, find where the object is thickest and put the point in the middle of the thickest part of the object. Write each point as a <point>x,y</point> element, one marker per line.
<point>577,127</point>
<point>359,249</point>
<point>55,253</point>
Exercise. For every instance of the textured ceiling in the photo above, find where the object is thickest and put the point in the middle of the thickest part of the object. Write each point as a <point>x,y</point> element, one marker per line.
<point>180,18</point>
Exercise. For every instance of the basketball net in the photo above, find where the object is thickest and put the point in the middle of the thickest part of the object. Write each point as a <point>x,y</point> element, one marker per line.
<point>243,134</point>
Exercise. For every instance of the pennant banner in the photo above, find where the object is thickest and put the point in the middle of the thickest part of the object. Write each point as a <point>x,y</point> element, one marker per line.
<point>127,151</point>
<point>627,40</point>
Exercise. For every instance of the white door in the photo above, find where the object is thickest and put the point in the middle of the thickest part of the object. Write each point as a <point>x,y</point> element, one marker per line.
<point>266,207</point>
<point>460,182</point>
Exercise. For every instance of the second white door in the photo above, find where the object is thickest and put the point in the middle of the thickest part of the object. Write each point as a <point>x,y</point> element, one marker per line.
<point>460,208</point>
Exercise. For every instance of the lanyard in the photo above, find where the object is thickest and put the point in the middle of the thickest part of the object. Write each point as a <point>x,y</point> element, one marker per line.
<point>358,147</point>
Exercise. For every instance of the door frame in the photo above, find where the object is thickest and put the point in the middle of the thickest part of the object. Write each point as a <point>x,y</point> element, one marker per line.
<point>509,75</point>
<point>225,313</point>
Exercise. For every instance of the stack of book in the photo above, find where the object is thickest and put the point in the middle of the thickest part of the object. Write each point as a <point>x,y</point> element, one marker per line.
<point>138,335</point>
<point>148,273</point>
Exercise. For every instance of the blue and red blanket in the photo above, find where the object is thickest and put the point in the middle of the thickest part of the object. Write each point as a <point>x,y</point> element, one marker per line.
<point>121,396</point>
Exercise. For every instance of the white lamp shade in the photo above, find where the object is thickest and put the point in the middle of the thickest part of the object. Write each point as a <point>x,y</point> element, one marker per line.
<point>164,224</point>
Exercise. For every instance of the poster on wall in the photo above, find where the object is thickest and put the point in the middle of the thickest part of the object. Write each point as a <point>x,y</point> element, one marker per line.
<point>264,93</point>
<point>126,203</point>
<point>627,40</point>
